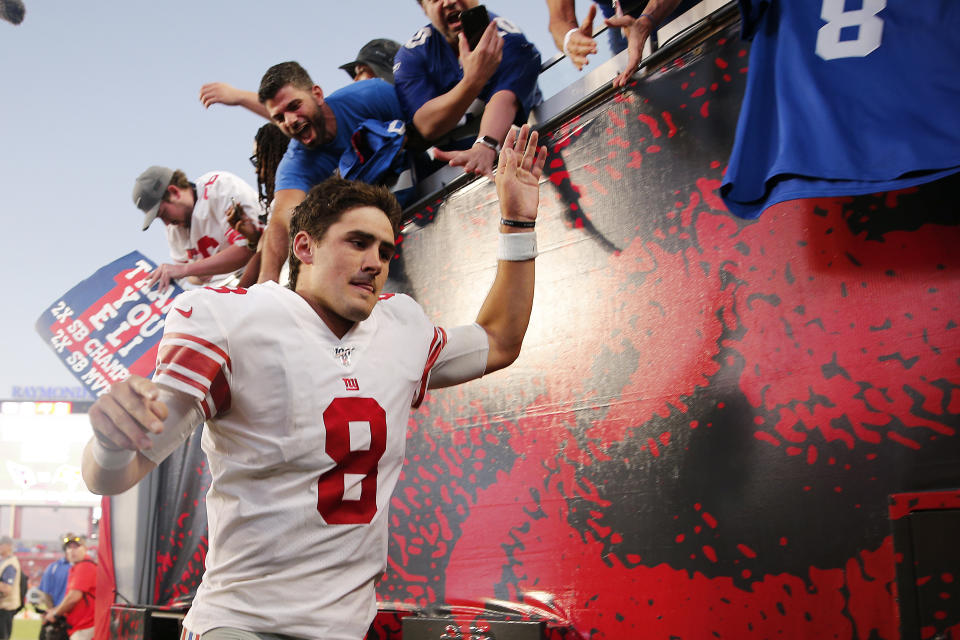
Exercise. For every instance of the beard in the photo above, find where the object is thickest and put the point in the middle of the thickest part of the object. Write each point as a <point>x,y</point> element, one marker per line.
<point>316,130</point>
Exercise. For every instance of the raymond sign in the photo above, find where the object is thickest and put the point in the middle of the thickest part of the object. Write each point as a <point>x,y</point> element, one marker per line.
<point>109,325</point>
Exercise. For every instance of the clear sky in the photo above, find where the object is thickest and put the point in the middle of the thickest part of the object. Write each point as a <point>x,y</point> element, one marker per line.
<point>94,92</point>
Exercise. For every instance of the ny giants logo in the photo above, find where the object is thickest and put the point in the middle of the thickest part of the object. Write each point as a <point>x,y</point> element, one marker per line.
<point>351,384</point>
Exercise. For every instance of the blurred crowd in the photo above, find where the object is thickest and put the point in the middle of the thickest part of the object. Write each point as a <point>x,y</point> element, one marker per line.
<point>62,589</point>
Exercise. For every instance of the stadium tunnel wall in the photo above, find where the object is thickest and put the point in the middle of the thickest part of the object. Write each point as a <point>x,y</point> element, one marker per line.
<point>717,427</point>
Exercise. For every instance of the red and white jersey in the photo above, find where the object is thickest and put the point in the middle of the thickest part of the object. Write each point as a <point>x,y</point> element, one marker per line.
<point>209,230</point>
<point>305,440</point>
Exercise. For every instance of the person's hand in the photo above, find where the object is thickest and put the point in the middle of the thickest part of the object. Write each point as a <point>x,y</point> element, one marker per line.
<point>219,93</point>
<point>581,44</point>
<point>477,159</point>
<point>163,274</point>
<point>480,64</point>
<point>638,30</point>
<point>49,616</point>
<point>243,225</point>
<point>518,174</point>
<point>122,417</point>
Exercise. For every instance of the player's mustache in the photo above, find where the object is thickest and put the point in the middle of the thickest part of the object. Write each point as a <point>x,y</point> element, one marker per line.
<point>363,278</point>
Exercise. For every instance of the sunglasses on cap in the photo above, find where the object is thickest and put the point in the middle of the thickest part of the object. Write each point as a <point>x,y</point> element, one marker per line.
<point>74,539</point>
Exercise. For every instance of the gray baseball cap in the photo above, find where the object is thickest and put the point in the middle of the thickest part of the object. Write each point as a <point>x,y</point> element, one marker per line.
<point>148,191</point>
<point>6,540</point>
<point>378,55</point>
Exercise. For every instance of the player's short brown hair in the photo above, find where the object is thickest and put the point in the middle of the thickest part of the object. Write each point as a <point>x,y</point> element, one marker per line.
<point>280,75</point>
<point>328,201</point>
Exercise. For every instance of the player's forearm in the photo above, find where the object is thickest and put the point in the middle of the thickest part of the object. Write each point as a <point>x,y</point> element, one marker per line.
<point>109,482</point>
<point>505,313</point>
<point>441,114</point>
<point>226,261</point>
<point>563,17</point>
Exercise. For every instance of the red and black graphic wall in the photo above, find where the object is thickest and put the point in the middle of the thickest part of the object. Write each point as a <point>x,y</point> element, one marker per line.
<point>710,415</point>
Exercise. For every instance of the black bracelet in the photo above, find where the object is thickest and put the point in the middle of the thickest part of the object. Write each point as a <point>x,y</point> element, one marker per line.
<point>523,224</point>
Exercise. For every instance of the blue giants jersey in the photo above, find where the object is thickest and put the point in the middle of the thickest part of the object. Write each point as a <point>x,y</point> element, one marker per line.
<point>845,97</point>
<point>427,67</point>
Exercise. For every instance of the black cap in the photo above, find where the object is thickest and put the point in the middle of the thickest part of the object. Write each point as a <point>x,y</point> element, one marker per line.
<point>378,55</point>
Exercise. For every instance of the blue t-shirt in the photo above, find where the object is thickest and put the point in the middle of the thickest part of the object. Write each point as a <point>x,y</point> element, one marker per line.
<point>427,67</point>
<point>54,580</point>
<point>302,168</point>
<point>9,575</point>
<point>845,102</point>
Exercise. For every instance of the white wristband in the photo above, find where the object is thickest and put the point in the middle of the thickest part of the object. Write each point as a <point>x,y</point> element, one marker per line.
<point>566,41</point>
<point>517,247</point>
<point>112,458</point>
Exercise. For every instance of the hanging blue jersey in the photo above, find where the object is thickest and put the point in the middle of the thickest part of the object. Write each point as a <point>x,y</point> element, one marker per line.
<point>427,67</point>
<point>301,168</point>
<point>376,156</point>
<point>845,98</point>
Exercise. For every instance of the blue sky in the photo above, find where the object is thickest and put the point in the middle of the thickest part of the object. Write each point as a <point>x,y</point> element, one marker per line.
<point>95,92</point>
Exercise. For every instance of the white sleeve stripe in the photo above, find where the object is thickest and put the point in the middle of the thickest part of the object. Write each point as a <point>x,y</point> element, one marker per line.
<point>184,371</point>
<point>207,403</point>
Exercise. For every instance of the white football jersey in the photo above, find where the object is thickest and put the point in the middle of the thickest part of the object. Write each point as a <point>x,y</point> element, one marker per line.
<point>305,440</point>
<point>209,230</point>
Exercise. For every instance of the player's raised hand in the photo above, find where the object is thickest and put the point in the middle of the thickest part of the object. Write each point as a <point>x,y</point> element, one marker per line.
<point>518,174</point>
<point>122,417</point>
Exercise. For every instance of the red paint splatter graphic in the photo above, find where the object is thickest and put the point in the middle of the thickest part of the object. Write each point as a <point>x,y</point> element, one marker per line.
<point>709,415</point>
<point>692,365</point>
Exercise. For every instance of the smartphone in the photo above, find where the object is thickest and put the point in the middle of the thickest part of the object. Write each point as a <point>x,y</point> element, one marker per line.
<point>474,22</point>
